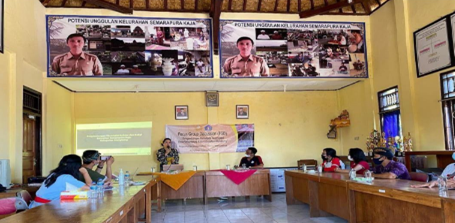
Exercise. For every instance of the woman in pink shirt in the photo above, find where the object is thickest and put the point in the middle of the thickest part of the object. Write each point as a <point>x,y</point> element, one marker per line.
<point>358,161</point>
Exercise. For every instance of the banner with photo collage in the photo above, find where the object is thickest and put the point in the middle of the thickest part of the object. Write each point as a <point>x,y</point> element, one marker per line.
<point>293,49</point>
<point>128,47</point>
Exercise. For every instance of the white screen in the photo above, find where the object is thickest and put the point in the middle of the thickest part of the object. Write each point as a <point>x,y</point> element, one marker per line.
<point>117,139</point>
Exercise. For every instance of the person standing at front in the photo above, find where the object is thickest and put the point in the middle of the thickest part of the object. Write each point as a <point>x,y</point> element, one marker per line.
<point>246,64</point>
<point>167,155</point>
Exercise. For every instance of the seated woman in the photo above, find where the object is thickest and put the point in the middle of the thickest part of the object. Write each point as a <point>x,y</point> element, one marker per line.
<point>63,178</point>
<point>386,168</point>
<point>251,160</point>
<point>358,161</point>
<point>330,160</point>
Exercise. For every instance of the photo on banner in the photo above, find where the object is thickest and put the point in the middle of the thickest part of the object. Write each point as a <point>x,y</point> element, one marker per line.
<point>81,46</point>
<point>292,49</point>
<point>220,138</point>
<point>432,48</point>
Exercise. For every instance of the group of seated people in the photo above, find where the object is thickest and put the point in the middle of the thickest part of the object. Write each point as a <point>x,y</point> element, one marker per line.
<point>385,167</point>
<point>72,173</point>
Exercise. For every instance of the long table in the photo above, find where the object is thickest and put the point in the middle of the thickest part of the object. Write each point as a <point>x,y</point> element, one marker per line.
<point>207,184</point>
<point>124,204</point>
<point>218,185</point>
<point>381,201</point>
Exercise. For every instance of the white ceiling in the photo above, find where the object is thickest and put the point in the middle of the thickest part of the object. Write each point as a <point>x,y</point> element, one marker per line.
<point>185,85</point>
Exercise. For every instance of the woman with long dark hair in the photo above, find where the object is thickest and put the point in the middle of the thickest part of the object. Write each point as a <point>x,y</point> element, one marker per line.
<point>330,160</point>
<point>358,161</point>
<point>63,178</point>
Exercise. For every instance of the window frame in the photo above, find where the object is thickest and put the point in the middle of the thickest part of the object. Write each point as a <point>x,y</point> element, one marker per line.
<point>382,112</point>
<point>449,103</point>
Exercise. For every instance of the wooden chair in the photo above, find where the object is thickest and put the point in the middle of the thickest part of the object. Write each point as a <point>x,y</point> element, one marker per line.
<point>25,195</point>
<point>422,177</point>
<point>306,162</point>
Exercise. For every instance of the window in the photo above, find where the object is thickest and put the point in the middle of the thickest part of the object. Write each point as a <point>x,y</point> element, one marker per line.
<point>448,107</point>
<point>389,111</point>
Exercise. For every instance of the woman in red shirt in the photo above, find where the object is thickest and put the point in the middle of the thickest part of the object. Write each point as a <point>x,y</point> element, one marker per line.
<point>358,161</point>
<point>331,162</point>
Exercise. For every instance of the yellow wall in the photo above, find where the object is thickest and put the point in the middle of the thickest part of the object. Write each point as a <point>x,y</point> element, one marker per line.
<point>287,125</point>
<point>392,50</point>
<point>22,64</point>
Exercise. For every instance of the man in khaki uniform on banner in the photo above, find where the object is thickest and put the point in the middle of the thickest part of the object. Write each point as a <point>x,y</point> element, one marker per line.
<point>245,64</point>
<point>76,62</point>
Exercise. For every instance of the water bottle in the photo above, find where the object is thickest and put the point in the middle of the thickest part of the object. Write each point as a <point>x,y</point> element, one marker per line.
<point>368,176</point>
<point>352,174</point>
<point>442,182</point>
<point>93,192</point>
<point>127,178</point>
<point>304,168</point>
<point>121,178</point>
<point>100,185</point>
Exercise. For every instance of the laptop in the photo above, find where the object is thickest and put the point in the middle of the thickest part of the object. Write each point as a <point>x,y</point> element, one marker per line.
<point>173,167</point>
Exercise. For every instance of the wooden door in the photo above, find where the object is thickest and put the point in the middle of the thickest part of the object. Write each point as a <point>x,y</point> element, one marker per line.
<point>29,147</point>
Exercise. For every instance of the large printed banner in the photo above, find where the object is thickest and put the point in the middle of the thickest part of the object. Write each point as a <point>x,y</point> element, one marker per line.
<point>432,48</point>
<point>128,47</point>
<point>292,49</point>
<point>211,138</point>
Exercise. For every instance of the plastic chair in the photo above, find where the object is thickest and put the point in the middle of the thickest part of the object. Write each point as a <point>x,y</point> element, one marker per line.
<point>25,195</point>
<point>12,205</point>
<point>422,177</point>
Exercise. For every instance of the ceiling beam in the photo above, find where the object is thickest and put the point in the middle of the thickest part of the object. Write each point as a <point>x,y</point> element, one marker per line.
<point>325,9</point>
<point>165,5</point>
<point>147,4</point>
<point>64,3</point>
<point>244,5</point>
<point>45,2</point>
<point>215,13</point>
<point>196,3</point>
<point>353,8</point>
<point>259,5</point>
<point>182,5</point>
<point>288,6</point>
<point>366,7</point>
<point>230,5</point>
<point>312,4</point>
<point>276,6</point>
<point>108,5</point>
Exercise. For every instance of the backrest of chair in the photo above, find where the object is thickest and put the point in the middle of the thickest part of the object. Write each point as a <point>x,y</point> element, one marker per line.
<point>24,195</point>
<point>7,206</point>
<point>306,162</point>
<point>422,177</point>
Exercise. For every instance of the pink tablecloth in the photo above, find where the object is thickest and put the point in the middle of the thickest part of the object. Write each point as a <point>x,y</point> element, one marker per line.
<point>238,176</point>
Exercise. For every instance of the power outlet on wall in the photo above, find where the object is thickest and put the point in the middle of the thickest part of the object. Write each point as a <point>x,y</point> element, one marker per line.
<point>60,146</point>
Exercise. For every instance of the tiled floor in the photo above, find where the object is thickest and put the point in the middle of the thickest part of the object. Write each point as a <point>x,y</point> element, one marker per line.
<point>241,210</point>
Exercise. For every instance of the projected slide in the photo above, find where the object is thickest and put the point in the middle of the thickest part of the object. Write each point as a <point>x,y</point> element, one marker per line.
<point>117,139</point>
